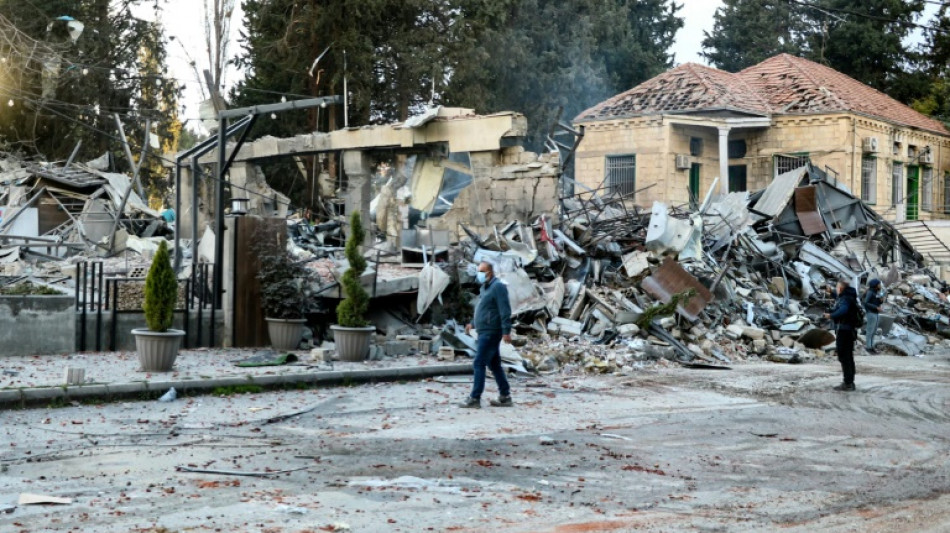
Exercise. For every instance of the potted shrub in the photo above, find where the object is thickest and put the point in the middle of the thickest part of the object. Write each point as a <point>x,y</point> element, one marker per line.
<point>352,333</point>
<point>158,344</point>
<point>285,290</point>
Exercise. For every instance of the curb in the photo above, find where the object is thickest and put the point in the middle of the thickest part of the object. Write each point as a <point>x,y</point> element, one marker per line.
<point>148,390</point>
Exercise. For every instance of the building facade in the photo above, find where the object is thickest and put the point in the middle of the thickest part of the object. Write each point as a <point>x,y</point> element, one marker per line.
<point>672,137</point>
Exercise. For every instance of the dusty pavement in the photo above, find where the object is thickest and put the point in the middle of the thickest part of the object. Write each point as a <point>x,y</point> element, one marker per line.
<point>762,447</point>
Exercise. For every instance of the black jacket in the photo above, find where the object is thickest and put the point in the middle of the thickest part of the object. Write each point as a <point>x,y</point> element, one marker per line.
<point>873,301</point>
<point>845,312</point>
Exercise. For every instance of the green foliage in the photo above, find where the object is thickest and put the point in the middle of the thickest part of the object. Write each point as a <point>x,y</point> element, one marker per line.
<point>351,312</point>
<point>660,310</point>
<point>116,66</point>
<point>529,56</point>
<point>28,289</point>
<point>237,389</point>
<point>161,291</point>
<point>866,40</point>
<point>286,285</point>
<point>534,56</point>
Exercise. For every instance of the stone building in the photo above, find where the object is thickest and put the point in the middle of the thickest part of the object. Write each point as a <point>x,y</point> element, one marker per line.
<point>669,138</point>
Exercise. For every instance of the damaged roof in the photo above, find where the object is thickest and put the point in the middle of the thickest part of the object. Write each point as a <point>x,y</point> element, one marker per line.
<point>794,86</point>
<point>781,85</point>
<point>687,88</point>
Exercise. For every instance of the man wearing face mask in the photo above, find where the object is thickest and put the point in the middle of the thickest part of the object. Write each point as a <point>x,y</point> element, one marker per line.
<point>493,323</point>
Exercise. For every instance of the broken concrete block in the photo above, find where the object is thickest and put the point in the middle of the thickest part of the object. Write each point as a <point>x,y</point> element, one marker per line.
<point>753,333</point>
<point>565,326</point>
<point>734,331</point>
<point>787,341</point>
<point>776,335</point>
<point>397,348</point>
<point>446,353</point>
<point>667,322</point>
<point>320,355</point>
<point>758,346</point>
<point>628,330</point>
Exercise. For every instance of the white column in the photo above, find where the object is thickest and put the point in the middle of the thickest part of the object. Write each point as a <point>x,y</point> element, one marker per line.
<point>724,159</point>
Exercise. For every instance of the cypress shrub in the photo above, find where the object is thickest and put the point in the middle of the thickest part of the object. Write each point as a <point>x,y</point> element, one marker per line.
<point>351,312</point>
<point>161,291</point>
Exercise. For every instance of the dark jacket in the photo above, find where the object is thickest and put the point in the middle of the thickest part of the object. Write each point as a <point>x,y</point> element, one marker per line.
<point>493,313</point>
<point>845,312</point>
<point>873,301</point>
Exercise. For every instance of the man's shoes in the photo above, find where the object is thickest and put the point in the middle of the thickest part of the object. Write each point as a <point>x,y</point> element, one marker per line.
<point>871,350</point>
<point>502,401</point>
<point>471,403</point>
<point>845,387</point>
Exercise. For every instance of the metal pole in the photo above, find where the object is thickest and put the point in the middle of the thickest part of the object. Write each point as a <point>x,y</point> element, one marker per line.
<point>195,174</point>
<point>128,150</point>
<point>99,311</point>
<point>219,227</point>
<point>115,313</point>
<point>84,267</point>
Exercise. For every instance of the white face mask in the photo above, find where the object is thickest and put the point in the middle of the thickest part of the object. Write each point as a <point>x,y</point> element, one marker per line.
<point>482,277</point>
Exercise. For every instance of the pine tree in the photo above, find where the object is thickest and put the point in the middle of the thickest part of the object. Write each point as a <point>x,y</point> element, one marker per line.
<point>865,40</point>
<point>746,32</point>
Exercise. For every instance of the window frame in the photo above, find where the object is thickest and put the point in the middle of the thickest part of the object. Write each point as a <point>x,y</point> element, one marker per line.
<point>926,188</point>
<point>612,187</point>
<point>869,182</point>
<point>897,183</point>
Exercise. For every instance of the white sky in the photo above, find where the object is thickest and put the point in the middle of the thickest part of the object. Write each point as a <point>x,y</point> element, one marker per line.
<point>697,17</point>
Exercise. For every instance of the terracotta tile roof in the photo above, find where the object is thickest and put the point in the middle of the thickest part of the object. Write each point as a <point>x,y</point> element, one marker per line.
<point>780,85</point>
<point>686,88</point>
<point>793,85</point>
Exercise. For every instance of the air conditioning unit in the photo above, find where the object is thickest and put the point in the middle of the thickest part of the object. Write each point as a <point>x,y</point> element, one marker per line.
<point>927,156</point>
<point>682,162</point>
<point>870,145</point>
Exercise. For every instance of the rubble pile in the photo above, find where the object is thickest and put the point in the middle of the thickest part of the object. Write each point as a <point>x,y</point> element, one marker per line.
<point>741,276</point>
<point>54,217</point>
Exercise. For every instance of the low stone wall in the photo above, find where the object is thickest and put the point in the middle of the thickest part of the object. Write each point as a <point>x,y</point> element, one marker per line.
<point>127,321</point>
<point>37,325</point>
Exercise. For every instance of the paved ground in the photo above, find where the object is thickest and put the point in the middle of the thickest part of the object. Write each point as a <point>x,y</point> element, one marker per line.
<point>191,365</point>
<point>762,447</point>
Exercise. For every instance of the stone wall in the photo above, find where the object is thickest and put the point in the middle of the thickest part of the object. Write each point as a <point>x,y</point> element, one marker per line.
<point>37,325</point>
<point>506,186</point>
<point>833,140</point>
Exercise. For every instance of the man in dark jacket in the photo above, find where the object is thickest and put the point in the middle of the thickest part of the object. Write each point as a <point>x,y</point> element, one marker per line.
<point>845,317</point>
<point>493,323</point>
<point>873,300</point>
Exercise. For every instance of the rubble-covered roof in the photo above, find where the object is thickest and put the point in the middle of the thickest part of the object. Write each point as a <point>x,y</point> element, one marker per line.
<point>781,85</point>
<point>793,85</point>
<point>684,89</point>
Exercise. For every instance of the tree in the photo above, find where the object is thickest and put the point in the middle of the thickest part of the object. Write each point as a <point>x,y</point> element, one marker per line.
<point>62,88</point>
<point>534,56</point>
<point>746,32</point>
<point>865,40</point>
<point>935,66</point>
<point>530,56</point>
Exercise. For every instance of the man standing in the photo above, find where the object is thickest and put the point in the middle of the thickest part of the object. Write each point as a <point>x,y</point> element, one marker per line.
<point>873,300</point>
<point>493,323</point>
<point>845,316</point>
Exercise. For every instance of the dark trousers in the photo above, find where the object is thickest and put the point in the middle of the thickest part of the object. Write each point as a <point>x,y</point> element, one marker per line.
<point>489,355</point>
<point>844,343</point>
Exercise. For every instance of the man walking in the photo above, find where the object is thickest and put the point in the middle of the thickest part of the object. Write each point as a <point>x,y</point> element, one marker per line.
<point>845,317</point>
<point>873,300</point>
<point>493,323</point>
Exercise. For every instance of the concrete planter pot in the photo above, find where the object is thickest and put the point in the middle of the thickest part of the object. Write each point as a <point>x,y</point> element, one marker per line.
<point>352,344</point>
<point>285,333</point>
<point>157,349</point>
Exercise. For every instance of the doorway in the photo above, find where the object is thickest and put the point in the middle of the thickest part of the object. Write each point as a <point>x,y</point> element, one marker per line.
<point>694,185</point>
<point>913,192</point>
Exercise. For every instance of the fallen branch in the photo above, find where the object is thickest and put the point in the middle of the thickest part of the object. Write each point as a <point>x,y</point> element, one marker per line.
<point>237,472</point>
